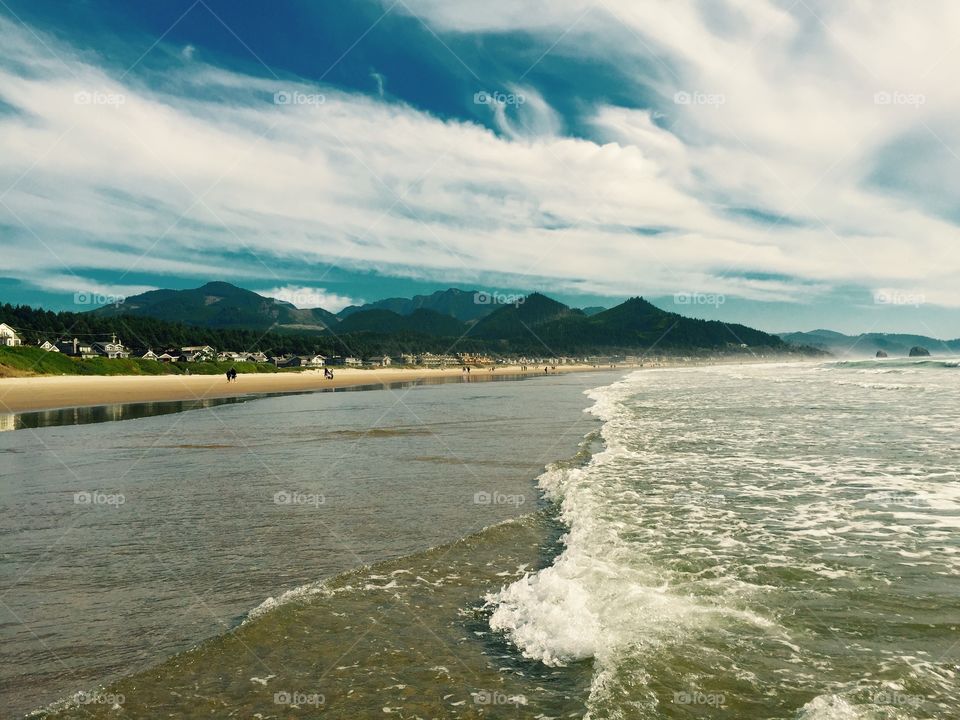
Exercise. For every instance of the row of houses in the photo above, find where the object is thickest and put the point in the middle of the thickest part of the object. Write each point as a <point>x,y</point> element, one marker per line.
<point>114,348</point>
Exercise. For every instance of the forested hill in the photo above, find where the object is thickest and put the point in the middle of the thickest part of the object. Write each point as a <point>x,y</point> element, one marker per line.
<point>535,326</point>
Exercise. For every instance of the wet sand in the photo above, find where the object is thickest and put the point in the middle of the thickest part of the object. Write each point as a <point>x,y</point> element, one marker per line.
<point>51,392</point>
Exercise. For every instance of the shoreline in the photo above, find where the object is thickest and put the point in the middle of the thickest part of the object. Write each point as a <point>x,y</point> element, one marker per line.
<point>59,392</point>
<point>528,537</point>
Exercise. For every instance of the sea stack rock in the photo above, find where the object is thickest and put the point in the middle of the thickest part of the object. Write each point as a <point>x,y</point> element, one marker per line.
<point>881,354</point>
<point>918,351</point>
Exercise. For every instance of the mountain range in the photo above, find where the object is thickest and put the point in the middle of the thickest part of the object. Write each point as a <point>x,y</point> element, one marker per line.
<point>869,344</point>
<point>533,324</point>
<point>464,305</point>
<point>221,305</point>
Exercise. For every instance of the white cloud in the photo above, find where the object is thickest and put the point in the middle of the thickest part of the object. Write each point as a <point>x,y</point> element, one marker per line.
<point>167,182</point>
<point>310,297</point>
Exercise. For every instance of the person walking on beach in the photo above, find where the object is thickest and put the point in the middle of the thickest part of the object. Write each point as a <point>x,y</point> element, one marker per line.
<point>228,375</point>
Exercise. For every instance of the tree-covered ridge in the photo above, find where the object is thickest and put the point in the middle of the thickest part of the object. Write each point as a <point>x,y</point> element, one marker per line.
<point>533,326</point>
<point>220,305</point>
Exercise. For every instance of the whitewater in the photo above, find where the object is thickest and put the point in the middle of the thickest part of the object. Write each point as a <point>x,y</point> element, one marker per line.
<point>764,541</point>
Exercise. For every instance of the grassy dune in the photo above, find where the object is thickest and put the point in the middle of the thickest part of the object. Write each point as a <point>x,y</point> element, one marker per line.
<point>26,361</point>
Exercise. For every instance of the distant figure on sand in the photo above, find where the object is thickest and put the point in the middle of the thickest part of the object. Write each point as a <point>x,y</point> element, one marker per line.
<point>328,374</point>
<point>231,374</point>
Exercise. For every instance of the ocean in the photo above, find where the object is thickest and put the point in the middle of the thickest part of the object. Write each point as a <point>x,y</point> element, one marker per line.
<point>736,541</point>
<point>131,533</point>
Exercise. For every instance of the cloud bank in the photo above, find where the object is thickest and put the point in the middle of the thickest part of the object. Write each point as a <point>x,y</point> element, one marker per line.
<point>787,151</point>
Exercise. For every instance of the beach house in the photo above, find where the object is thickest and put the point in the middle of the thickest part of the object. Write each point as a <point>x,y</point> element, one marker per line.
<point>48,346</point>
<point>112,349</point>
<point>198,353</point>
<point>8,336</point>
<point>437,361</point>
<point>149,355</point>
<point>75,348</point>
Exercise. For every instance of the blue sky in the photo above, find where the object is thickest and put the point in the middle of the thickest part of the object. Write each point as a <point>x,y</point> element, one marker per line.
<point>786,165</point>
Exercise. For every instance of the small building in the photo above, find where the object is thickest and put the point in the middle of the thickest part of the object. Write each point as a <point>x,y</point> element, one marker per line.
<point>434,361</point>
<point>149,355</point>
<point>75,348</point>
<point>380,361</point>
<point>112,349</point>
<point>198,353</point>
<point>48,346</point>
<point>301,361</point>
<point>407,359</point>
<point>353,362</point>
<point>8,336</point>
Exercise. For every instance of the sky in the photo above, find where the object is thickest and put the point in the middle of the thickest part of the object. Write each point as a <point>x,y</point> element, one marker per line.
<point>788,165</point>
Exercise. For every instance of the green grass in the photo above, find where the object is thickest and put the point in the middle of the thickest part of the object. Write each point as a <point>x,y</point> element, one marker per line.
<point>20,361</point>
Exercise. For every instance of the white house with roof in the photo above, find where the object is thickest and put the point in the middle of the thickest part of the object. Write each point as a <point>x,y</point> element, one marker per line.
<point>48,346</point>
<point>111,349</point>
<point>198,353</point>
<point>8,336</point>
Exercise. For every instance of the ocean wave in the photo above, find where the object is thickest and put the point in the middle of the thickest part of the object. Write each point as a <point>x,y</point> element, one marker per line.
<point>596,600</point>
<point>895,363</point>
<point>878,385</point>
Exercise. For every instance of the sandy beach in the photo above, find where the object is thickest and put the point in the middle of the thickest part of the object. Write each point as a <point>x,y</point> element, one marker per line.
<point>51,392</point>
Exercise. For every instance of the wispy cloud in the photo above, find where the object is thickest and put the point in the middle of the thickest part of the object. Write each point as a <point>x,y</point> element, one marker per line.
<point>310,297</point>
<point>755,172</point>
